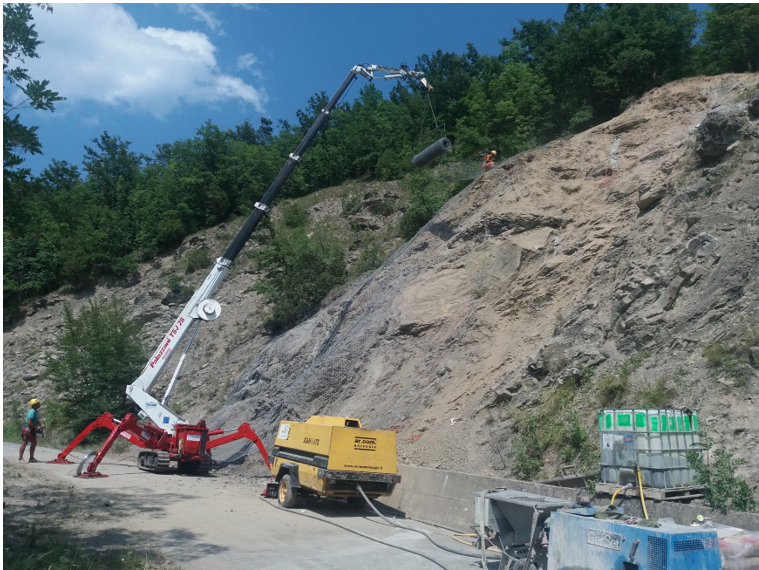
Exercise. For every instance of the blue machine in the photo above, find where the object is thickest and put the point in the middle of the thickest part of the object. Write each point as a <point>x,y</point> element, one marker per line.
<point>579,540</point>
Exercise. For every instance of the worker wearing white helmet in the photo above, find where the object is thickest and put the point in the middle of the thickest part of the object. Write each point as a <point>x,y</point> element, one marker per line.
<point>29,431</point>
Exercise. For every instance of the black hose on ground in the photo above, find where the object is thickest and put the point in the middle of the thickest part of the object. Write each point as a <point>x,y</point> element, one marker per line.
<point>419,530</point>
<point>438,148</point>
<point>354,531</point>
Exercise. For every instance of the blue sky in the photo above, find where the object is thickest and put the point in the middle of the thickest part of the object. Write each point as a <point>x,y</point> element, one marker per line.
<point>154,73</point>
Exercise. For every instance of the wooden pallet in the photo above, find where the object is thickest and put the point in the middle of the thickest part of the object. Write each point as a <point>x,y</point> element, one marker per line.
<point>678,494</point>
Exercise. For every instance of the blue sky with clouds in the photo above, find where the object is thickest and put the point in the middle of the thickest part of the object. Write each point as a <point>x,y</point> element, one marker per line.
<point>154,73</point>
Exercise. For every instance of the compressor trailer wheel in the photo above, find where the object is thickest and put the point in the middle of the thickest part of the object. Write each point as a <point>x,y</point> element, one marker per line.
<point>287,494</point>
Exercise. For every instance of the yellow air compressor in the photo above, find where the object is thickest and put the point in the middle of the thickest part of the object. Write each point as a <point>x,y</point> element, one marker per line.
<point>329,456</point>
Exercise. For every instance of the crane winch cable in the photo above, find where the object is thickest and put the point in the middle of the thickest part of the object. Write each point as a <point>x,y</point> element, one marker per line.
<point>434,120</point>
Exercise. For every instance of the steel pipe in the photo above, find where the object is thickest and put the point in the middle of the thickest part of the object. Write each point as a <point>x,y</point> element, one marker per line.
<point>436,149</point>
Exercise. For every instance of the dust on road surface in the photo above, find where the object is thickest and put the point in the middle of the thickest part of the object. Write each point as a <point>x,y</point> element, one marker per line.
<point>210,522</point>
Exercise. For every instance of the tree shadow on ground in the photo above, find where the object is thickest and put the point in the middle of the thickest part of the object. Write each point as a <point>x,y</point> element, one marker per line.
<point>85,515</point>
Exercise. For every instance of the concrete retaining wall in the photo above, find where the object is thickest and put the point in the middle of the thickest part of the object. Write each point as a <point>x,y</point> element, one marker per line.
<point>686,514</point>
<point>446,498</point>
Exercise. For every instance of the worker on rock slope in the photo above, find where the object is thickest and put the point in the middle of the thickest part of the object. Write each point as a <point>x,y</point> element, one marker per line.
<point>489,161</point>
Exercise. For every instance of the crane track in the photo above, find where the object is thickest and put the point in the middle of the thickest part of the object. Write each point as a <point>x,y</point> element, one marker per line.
<point>204,466</point>
<point>154,461</point>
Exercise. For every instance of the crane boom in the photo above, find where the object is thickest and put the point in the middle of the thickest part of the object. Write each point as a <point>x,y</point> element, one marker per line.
<point>201,305</point>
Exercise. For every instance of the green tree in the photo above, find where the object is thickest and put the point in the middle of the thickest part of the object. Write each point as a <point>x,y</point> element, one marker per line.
<point>730,41</point>
<point>30,240</point>
<point>450,75</point>
<point>508,108</point>
<point>600,57</point>
<point>30,265</point>
<point>298,271</point>
<point>112,170</point>
<point>98,353</point>
<point>20,42</point>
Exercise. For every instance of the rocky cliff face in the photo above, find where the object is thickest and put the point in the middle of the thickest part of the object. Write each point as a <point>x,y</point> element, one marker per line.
<point>636,239</point>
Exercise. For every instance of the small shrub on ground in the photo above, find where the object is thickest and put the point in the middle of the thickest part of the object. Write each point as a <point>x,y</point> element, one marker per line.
<point>553,427</point>
<point>372,256</point>
<point>541,432</point>
<point>381,208</point>
<point>41,549</point>
<point>576,445</point>
<point>350,201</point>
<point>657,395</point>
<point>13,420</point>
<point>527,451</point>
<point>293,216</point>
<point>197,259</point>
<point>613,387</point>
<point>733,356</point>
<point>723,489</point>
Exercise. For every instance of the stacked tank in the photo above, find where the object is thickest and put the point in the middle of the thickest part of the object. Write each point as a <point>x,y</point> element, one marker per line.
<point>653,440</point>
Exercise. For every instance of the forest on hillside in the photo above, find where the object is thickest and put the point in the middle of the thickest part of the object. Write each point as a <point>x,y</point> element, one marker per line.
<point>73,225</point>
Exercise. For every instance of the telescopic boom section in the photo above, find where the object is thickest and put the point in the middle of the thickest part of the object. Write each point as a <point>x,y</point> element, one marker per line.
<point>201,305</point>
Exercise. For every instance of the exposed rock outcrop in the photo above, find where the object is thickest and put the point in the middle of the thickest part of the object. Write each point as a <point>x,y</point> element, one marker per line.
<point>519,282</point>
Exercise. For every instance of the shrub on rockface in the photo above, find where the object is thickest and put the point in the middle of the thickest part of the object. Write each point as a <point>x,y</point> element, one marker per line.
<point>734,356</point>
<point>293,216</point>
<point>198,259</point>
<point>299,269</point>
<point>613,387</point>
<point>427,195</point>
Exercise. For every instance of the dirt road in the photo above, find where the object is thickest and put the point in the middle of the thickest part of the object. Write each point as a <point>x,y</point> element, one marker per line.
<point>210,522</point>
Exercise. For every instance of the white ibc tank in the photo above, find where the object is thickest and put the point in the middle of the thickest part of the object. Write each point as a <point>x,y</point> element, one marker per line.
<point>654,440</point>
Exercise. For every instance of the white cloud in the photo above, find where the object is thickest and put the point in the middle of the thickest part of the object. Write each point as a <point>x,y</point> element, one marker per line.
<point>200,14</point>
<point>248,62</point>
<point>254,7</point>
<point>96,52</point>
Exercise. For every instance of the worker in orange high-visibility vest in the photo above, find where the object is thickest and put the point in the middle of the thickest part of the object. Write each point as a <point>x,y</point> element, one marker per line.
<point>489,161</point>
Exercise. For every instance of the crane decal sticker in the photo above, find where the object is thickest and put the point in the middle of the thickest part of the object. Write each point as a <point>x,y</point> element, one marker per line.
<point>163,352</point>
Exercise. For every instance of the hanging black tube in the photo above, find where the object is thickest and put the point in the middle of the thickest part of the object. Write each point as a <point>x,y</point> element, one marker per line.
<point>438,148</point>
